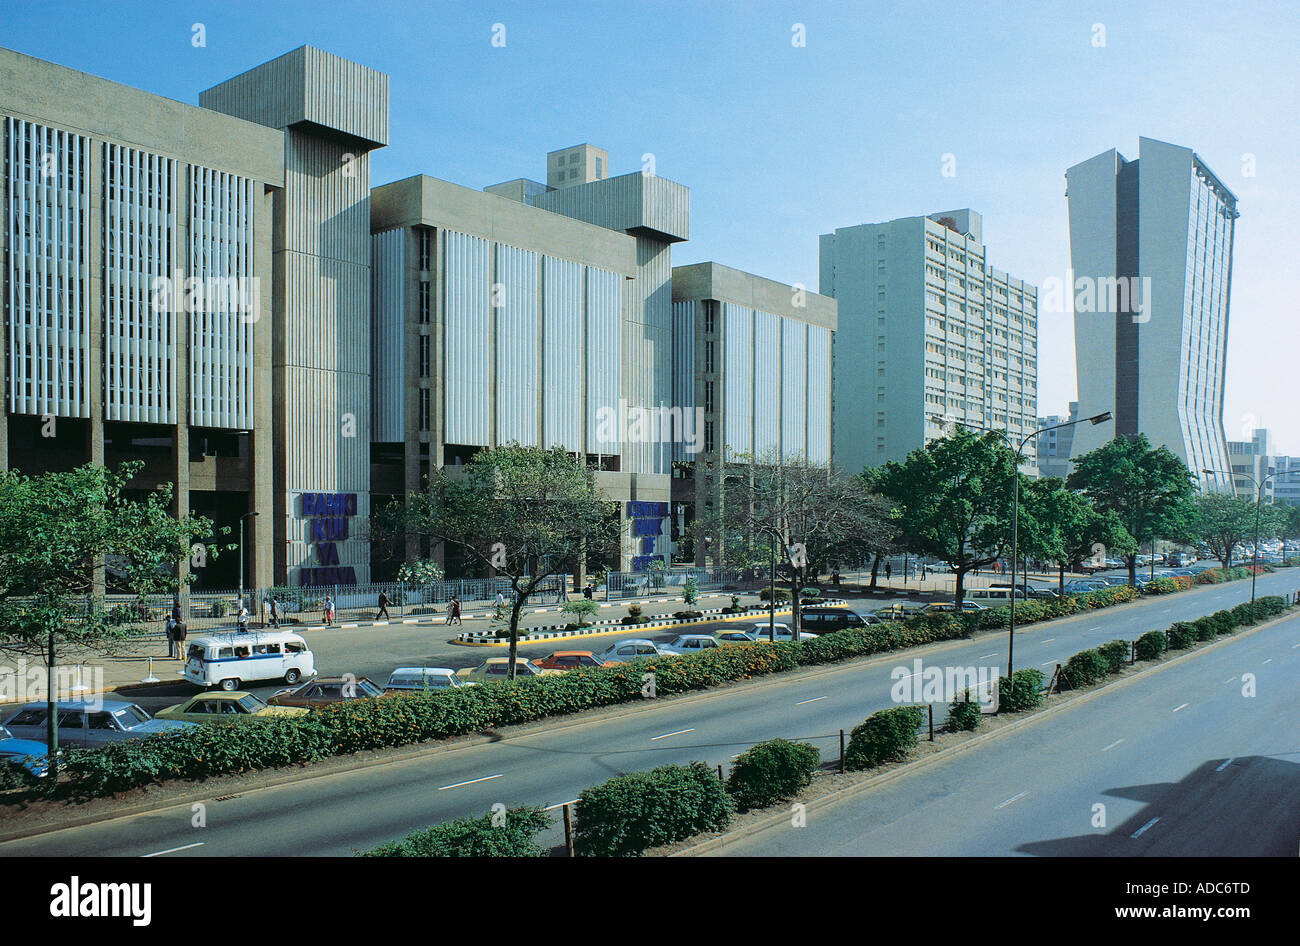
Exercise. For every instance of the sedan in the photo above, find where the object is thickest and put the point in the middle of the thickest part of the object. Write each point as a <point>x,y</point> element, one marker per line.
<point>326,690</point>
<point>498,668</point>
<point>233,707</point>
<point>30,754</point>
<point>90,723</point>
<point>637,649</point>
<point>570,660</point>
<point>690,644</point>
<point>420,679</point>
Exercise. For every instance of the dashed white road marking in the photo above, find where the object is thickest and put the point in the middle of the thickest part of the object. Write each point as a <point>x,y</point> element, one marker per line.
<point>667,734</point>
<point>987,656</point>
<point>1113,744</point>
<point>486,778</point>
<point>1225,764</point>
<point>813,700</point>
<point>173,850</point>
<point>1139,831</point>
<point>1097,628</point>
<point>1177,708</point>
<point>1269,660</point>
<point>1048,641</point>
<point>1013,798</point>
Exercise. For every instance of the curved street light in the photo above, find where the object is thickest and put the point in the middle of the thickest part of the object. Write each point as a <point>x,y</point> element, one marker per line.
<point>1015,524</point>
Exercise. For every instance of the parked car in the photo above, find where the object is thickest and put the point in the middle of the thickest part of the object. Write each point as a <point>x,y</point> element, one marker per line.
<point>419,679</point>
<point>635,649</point>
<point>898,612</point>
<point>90,724</point>
<point>326,690</point>
<point>233,707</point>
<point>571,659</point>
<point>227,660</point>
<point>760,633</point>
<point>825,620</point>
<point>30,754</point>
<point>690,644</point>
<point>498,668</point>
<point>1078,586</point>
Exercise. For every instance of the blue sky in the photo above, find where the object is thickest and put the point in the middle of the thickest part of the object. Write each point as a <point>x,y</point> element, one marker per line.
<point>781,143</point>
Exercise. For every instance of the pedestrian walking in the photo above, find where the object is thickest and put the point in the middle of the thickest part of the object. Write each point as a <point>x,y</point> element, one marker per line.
<point>383,607</point>
<point>562,589</point>
<point>501,600</point>
<point>171,641</point>
<point>275,612</point>
<point>453,612</point>
<point>178,635</point>
<point>176,610</point>
<point>889,571</point>
<point>835,578</point>
<point>241,618</point>
<point>329,610</point>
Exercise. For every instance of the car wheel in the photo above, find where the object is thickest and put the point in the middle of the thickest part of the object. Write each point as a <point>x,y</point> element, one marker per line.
<point>228,684</point>
<point>291,677</point>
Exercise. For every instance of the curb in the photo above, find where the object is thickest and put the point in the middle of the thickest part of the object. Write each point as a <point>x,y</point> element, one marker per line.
<point>615,625</point>
<point>943,755</point>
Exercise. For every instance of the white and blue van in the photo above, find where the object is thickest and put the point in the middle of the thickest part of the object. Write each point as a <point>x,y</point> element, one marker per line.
<point>228,660</point>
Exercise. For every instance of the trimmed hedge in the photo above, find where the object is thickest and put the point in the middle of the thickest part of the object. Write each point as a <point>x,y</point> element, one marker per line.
<point>772,771</point>
<point>1150,645</point>
<point>1115,653</point>
<point>632,813</point>
<point>963,714</point>
<point>1023,691</point>
<point>474,837</point>
<point>1182,635</point>
<point>884,736</point>
<point>1083,669</point>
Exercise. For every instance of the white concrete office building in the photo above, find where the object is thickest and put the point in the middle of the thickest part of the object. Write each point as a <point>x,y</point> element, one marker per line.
<point>1151,254</point>
<point>930,337</point>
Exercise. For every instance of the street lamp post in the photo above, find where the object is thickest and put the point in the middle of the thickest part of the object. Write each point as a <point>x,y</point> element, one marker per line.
<point>1015,524</point>
<point>1259,504</point>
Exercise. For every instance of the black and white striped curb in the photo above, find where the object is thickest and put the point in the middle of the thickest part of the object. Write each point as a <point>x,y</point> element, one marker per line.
<point>558,631</point>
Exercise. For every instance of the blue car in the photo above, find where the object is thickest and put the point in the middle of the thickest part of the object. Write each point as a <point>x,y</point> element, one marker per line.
<point>28,753</point>
<point>90,724</point>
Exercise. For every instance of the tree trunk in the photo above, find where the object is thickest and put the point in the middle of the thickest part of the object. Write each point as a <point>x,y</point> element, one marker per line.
<point>796,586</point>
<point>514,630</point>
<point>51,708</point>
<point>875,569</point>
<point>1060,579</point>
<point>960,592</point>
<point>1132,569</point>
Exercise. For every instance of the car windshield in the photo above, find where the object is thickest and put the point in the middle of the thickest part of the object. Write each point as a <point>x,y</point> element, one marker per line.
<point>250,703</point>
<point>369,689</point>
<point>5,734</point>
<point>131,716</point>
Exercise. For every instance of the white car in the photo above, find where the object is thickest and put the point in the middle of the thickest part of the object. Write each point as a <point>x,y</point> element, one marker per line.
<point>636,649</point>
<point>760,635</point>
<point>689,644</point>
<point>418,679</point>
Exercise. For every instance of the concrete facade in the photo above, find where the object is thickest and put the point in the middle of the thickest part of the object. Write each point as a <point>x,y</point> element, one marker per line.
<point>930,337</point>
<point>1151,257</point>
<point>1054,445</point>
<point>124,189</point>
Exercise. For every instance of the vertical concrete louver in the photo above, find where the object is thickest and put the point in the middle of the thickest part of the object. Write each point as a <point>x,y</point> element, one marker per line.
<point>225,305</point>
<point>48,270</point>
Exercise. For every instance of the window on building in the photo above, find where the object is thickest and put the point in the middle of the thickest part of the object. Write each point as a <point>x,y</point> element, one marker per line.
<point>708,436</point>
<point>708,357</point>
<point>424,356</point>
<point>600,168</point>
<point>424,409</point>
<point>708,397</point>
<point>424,303</point>
<point>425,241</point>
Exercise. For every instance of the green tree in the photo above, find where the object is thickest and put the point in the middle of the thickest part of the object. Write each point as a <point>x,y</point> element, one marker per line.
<point>954,497</point>
<point>57,532</point>
<point>420,572</point>
<point>1150,490</point>
<point>807,509</point>
<point>582,608</point>
<point>1066,528</point>
<point>1220,522</point>
<point>529,514</point>
<point>883,540</point>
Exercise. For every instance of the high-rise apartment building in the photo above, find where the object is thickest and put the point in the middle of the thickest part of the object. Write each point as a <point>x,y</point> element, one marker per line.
<point>1151,256</point>
<point>930,336</point>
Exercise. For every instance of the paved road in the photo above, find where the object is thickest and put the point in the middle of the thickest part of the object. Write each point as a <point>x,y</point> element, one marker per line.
<point>334,814</point>
<point>1184,764</point>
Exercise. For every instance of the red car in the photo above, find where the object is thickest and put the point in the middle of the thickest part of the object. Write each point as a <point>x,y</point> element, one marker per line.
<point>571,659</point>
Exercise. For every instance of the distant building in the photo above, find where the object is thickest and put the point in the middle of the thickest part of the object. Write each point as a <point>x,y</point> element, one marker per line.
<point>1054,445</point>
<point>1151,255</point>
<point>930,337</point>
